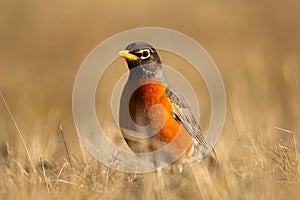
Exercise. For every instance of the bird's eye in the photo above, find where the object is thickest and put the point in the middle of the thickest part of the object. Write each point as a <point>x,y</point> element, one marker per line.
<point>145,54</point>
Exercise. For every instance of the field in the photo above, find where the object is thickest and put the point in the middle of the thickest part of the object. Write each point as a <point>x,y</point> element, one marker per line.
<point>256,46</point>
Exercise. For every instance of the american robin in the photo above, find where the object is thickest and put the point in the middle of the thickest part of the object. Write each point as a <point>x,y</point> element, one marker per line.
<point>148,99</point>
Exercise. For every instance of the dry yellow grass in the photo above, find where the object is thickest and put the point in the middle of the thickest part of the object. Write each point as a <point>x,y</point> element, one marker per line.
<point>256,46</point>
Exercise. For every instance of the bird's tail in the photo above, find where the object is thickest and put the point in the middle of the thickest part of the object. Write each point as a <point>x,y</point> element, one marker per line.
<point>206,154</point>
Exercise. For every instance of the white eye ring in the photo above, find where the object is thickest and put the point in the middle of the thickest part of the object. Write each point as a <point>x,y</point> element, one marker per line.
<point>145,53</point>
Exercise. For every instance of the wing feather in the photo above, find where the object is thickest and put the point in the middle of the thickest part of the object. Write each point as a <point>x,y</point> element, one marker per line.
<point>183,114</point>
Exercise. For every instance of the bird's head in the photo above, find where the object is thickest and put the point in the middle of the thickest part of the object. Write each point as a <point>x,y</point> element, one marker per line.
<point>139,54</point>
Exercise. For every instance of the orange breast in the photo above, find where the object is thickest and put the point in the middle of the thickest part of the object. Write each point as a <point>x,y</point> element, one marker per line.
<point>153,94</point>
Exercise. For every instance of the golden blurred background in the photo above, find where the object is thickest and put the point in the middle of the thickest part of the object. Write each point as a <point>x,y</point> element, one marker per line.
<point>255,44</point>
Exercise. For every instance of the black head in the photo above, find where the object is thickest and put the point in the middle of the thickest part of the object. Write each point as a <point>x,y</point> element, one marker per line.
<point>140,53</point>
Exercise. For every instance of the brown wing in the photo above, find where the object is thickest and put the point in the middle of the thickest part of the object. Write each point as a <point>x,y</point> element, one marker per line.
<point>183,114</point>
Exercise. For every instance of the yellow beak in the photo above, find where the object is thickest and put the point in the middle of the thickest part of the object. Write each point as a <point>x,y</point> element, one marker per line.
<point>127,55</point>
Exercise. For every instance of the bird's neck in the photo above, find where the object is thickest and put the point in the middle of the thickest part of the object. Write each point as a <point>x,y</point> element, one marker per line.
<point>153,71</point>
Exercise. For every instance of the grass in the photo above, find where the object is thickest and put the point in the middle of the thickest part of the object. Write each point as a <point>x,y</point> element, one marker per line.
<point>255,45</point>
<point>253,170</point>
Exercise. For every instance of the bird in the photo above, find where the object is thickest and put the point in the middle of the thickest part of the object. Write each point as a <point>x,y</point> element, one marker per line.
<point>149,99</point>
